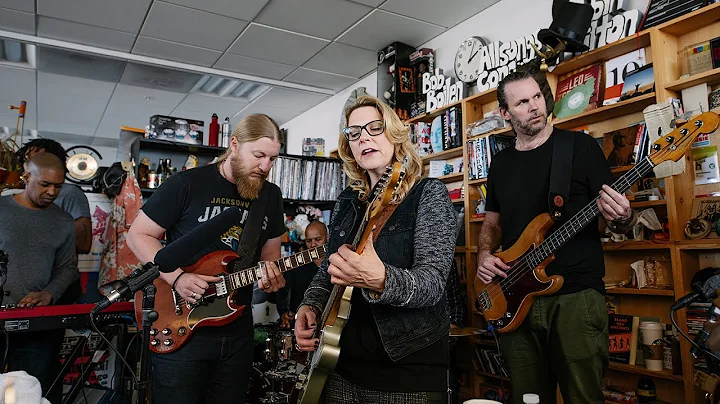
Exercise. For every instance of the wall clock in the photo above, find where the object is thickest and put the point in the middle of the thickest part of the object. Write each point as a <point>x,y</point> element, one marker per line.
<point>467,62</point>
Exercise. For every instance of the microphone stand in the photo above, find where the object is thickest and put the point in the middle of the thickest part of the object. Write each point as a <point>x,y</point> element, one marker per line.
<point>149,316</point>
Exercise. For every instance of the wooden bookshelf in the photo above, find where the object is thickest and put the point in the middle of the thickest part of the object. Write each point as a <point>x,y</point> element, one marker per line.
<point>452,177</point>
<point>700,244</point>
<point>648,204</point>
<point>641,370</point>
<point>615,49</point>
<point>644,292</point>
<point>710,77</point>
<point>637,245</point>
<point>444,155</point>
<point>477,182</point>
<point>692,21</point>
<point>607,112</point>
<point>502,131</point>
<point>429,117</point>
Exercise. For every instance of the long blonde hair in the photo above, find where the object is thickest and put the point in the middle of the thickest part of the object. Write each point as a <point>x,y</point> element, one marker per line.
<point>399,136</point>
<point>251,128</point>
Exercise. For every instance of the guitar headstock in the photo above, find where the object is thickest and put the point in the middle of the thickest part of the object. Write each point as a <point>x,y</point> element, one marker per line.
<point>672,147</point>
<point>387,187</point>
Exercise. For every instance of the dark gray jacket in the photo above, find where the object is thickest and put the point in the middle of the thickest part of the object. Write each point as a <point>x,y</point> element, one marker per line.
<point>417,246</point>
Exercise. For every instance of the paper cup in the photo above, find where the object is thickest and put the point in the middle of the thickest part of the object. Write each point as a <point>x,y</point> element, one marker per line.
<point>652,340</point>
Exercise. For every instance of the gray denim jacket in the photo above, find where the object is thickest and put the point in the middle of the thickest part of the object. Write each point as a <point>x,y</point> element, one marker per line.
<point>417,246</point>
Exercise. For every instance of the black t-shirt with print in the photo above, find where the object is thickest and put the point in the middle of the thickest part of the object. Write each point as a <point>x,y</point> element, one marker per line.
<point>190,198</point>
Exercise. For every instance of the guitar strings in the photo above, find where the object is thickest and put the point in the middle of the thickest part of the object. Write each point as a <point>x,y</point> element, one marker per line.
<point>523,265</point>
<point>517,271</point>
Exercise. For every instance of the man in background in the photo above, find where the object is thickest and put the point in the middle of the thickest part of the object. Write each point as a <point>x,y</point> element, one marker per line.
<point>39,239</point>
<point>298,280</point>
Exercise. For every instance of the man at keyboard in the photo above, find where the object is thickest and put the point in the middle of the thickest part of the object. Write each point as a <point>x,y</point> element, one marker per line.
<point>39,239</point>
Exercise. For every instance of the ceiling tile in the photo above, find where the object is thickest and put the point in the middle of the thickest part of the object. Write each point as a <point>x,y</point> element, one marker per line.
<point>447,13</point>
<point>70,104</point>
<point>159,78</point>
<point>125,15</point>
<point>344,59</point>
<point>17,21</point>
<point>192,27</point>
<point>282,104</point>
<point>322,18</point>
<point>381,28</point>
<point>27,6</point>
<point>371,3</point>
<point>242,9</point>
<point>257,67</point>
<point>51,60</point>
<point>201,107</point>
<point>320,79</point>
<point>133,106</point>
<point>175,51</point>
<point>85,34</point>
<point>276,45</point>
<point>17,85</point>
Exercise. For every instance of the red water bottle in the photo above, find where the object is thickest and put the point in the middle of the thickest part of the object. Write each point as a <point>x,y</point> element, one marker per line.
<point>214,131</point>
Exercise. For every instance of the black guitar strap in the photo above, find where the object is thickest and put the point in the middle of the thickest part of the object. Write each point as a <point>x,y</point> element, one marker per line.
<point>560,172</point>
<point>251,230</point>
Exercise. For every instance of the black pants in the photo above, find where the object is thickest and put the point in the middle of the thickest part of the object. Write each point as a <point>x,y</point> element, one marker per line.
<point>36,354</point>
<point>208,369</point>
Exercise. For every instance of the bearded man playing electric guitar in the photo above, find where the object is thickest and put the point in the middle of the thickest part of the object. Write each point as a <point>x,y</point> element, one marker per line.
<point>564,338</point>
<point>215,365</point>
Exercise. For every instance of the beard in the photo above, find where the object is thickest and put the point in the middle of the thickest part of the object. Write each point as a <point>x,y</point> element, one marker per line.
<point>248,185</point>
<point>527,128</point>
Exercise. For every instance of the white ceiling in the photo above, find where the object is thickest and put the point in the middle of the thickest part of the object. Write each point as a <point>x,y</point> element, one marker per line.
<point>324,44</point>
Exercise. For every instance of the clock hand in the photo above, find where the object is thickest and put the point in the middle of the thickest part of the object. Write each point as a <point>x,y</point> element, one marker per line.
<point>473,55</point>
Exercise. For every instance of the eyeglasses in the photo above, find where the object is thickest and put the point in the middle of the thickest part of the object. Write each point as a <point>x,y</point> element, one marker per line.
<point>373,128</point>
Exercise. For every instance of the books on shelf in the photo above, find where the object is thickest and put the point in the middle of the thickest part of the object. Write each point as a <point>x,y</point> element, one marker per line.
<point>626,146</point>
<point>312,180</point>
<point>443,133</point>
<point>481,150</point>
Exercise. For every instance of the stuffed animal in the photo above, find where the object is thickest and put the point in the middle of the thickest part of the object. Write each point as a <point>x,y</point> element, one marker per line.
<point>390,94</point>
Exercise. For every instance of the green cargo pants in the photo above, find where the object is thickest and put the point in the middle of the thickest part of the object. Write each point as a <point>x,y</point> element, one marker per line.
<point>562,342</point>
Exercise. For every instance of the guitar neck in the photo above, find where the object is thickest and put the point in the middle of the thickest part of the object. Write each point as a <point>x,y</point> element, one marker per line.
<point>239,278</point>
<point>587,214</point>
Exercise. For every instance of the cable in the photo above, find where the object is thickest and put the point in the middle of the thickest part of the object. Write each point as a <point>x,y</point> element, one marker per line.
<point>687,337</point>
<point>92,323</point>
<point>500,356</point>
<point>127,351</point>
<point>7,348</point>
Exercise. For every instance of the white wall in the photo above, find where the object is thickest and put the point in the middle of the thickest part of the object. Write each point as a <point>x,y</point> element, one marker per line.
<point>504,21</point>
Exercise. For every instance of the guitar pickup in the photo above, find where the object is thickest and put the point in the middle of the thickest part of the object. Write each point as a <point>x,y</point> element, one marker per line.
<point>221,288</point>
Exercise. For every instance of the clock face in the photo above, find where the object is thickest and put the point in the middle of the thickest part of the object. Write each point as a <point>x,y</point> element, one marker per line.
<point>467,60</point>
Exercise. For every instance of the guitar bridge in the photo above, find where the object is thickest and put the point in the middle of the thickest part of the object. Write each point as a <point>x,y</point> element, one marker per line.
<point>221,288</point>
<point>176,303</point>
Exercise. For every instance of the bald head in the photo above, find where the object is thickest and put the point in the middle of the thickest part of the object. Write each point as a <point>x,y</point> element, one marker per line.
<point>43,178</point>
<point>45,161</point>
<point>315,234</point>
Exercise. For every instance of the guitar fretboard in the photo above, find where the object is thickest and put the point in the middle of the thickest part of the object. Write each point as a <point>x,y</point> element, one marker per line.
<point>586,215</point>
<point>242,278</point>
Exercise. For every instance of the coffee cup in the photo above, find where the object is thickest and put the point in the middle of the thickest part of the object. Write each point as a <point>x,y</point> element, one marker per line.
<point>652,340</point>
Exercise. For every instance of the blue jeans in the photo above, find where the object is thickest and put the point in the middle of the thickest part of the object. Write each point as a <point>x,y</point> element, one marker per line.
<point>210,368</point>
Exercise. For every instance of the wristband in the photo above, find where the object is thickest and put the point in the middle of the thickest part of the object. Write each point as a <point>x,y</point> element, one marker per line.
<point>176,279</point>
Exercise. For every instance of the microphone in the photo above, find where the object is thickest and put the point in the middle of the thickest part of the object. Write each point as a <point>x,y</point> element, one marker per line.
<point>177,254</point>
<point>705,292</point>
<point>124,289</point>
<point>180,252</point>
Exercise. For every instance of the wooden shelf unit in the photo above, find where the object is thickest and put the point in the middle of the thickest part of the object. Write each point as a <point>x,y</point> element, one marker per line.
<point>661,44</point>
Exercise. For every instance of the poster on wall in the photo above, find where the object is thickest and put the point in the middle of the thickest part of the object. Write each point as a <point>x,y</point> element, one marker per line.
<point>100,207</point>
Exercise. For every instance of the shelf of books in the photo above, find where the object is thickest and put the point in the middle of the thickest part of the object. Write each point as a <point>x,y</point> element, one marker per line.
<point>665,68</point>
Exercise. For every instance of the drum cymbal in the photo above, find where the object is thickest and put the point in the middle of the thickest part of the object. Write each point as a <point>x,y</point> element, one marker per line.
<point>464,331</point>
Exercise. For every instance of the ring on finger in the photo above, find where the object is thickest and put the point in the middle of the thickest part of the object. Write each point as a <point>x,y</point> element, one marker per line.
<point>193,295</point>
